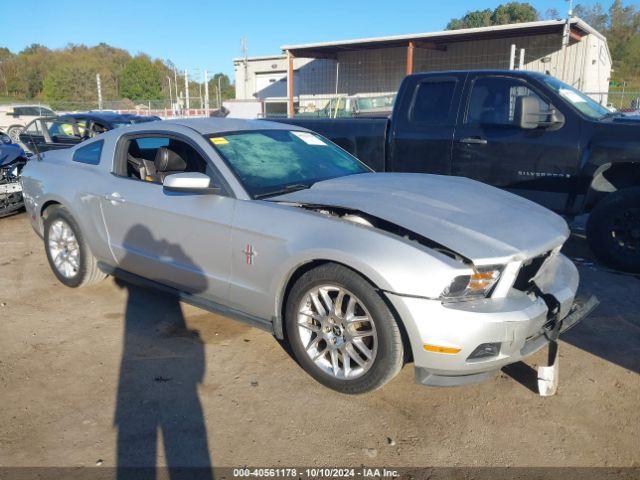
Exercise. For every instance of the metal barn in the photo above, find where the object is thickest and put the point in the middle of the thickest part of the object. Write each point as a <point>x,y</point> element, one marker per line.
<point>310,77</point>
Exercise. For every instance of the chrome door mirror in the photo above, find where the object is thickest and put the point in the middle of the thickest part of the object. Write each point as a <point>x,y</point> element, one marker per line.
<point>189,182</point>
<point>530,115</point>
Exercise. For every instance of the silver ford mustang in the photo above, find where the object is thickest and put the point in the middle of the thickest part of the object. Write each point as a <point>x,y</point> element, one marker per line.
<point>276,226</point>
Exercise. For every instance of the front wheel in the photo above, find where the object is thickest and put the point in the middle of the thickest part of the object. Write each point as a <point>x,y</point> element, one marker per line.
<point>613,230</point>
<point>341,331</point>
<point>68,253</point>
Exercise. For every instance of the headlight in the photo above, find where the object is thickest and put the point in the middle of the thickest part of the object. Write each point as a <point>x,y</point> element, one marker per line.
<point>477,285</point>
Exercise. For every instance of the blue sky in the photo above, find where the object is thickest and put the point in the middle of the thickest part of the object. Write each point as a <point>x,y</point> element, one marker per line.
<point>206,34</point>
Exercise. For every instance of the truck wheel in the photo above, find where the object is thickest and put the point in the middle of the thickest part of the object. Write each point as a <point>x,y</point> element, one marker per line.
<point>14,132</point>
<point>341,331</point>
<point>613,230</point>
<point>68,253</point>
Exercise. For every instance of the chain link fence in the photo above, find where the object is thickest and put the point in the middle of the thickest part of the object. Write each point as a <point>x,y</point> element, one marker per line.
<point>163,108</point>
<point>621,101</point>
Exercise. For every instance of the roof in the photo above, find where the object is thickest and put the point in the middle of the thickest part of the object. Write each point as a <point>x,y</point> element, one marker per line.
<point>578,26</point>
<point>208,126</point>
<point>13,105</point>
<point>108,117</point>
<point>263,57</point>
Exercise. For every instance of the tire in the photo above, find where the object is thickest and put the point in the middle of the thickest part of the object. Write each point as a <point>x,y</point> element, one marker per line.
<point>350,369</point>
<point>14,132</point>
<point>613,230</point>
<point>81,268</point>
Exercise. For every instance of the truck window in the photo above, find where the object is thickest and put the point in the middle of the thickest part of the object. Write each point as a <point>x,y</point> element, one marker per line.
<point>493,101</point>
<point>432,102</point>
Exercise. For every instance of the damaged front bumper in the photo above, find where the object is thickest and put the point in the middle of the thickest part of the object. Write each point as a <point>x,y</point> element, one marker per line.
<point>509,328</point>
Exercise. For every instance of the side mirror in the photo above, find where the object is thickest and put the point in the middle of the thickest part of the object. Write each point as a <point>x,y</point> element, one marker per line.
<point>530,116</point>
<point>189,182</point>
<point>528,112</point>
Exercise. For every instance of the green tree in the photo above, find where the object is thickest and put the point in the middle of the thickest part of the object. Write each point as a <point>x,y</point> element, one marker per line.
<point>474,19</point>
<point>67,82</point>
<point>512,12</point>
<point>141,79</point>
<point>594,15</point>
<point>227,89</point>
<point>621,25</point>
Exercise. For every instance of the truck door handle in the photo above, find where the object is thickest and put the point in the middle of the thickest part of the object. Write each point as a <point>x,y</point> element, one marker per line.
<point>114,198</point>
<point>474,141</point>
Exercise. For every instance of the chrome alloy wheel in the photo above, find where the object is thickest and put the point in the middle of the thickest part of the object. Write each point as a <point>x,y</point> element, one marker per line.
<point>64,249</point>
<point>337,331</point>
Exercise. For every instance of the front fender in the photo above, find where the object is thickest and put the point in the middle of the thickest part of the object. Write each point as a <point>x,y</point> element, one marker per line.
<point>390,263</point>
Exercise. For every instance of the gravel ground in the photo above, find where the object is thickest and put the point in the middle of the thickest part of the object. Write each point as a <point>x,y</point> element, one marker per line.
<point>87,373</point>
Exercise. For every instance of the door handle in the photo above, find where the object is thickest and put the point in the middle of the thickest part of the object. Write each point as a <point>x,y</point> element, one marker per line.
<point>114,198</point>
<point>474,141</point>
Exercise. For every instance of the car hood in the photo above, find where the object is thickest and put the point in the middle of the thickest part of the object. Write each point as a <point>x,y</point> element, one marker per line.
<point>480,222</point>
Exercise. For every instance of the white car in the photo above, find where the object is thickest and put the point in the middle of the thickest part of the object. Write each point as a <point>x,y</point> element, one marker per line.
<point>13,118</point>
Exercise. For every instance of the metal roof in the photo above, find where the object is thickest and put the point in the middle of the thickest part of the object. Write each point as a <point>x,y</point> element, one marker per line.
<point>497,31</point>
<point>260,57</point>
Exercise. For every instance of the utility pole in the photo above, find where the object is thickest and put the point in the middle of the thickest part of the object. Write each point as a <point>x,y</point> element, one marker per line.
<point>219,93</point>
<point>243,45</point>
<point>206,93</point>
<point>99,85</point>
<point>170,94</point>
<point>186,91</point>
<point>175,83</point>
<point>566,35</point>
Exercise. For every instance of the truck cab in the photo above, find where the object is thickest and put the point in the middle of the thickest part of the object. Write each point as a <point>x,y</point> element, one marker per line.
<point>525,132</point>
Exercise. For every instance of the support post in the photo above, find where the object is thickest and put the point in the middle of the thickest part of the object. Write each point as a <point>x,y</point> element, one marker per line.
<point>290,109</point>
<point>410,49</point>
<point>521,60</point>
<point>512,57</point>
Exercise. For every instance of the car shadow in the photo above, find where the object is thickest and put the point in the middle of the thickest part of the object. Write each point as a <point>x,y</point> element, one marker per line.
<point>612,330</point>
<point>163,362</point>
<point>523,374</point>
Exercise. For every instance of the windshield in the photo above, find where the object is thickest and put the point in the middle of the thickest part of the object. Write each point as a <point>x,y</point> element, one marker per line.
<point>270,162</point>
<point>579,100</point>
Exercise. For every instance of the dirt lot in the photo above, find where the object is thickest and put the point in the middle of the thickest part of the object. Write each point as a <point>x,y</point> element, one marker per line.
<point>90,372</point>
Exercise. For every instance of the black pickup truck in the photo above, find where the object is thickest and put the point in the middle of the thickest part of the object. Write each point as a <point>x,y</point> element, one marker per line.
<point>522,131</point>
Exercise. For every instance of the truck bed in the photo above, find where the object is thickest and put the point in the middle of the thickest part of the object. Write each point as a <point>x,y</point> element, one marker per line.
<point>365,138</point>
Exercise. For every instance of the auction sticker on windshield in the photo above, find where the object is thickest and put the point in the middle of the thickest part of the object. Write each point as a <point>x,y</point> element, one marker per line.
<point>309,138</point>
<point>219,141</point>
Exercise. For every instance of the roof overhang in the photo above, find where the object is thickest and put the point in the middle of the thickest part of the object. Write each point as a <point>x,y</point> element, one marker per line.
<point>439,40</point>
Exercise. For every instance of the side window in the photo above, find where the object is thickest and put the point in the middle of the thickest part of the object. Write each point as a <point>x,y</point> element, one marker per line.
<point>59,129</point>
<point>34,128</point>
<point>432,102</point>
<point>493,101</point>
<point>89,154</point>
<point>153,158</point>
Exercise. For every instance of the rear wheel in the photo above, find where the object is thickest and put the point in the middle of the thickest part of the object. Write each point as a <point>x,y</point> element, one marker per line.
<point>14,132</point>
<point>69,256</point>
<point>613,230</point>
<point>341,331</point>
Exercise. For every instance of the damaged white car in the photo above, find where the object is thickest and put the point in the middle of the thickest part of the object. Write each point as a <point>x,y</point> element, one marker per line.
<point>276,226</point>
